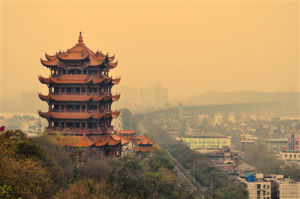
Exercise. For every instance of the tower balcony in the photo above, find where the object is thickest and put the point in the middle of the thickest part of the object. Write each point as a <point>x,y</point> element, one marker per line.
<point>76,131</point>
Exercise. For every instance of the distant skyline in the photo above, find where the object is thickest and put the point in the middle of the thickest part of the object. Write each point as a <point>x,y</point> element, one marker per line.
<point>188,47</point>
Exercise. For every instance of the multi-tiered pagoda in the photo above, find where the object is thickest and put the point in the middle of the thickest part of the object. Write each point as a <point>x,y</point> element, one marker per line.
<point>80,102</point>
<point>80,95</point>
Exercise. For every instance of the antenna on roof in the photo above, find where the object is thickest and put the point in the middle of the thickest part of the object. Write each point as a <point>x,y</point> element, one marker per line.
<point>80,40</point>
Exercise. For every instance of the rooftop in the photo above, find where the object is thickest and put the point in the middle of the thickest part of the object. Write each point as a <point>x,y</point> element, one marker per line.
<point>80,52</point>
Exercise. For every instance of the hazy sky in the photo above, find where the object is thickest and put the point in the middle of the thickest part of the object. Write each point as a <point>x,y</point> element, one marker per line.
<point>187,46</point>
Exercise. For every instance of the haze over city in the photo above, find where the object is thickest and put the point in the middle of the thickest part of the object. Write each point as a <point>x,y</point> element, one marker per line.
<point>196,99</point>
<point>196,46</point>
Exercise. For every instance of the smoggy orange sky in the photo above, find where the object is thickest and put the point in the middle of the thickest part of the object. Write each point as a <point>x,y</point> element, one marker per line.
<point>187,46</point>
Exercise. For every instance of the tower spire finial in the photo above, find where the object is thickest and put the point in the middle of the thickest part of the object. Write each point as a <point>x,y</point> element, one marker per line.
<point>80,40</point>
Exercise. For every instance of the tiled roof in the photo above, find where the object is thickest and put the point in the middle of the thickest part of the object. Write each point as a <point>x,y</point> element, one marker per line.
<point>105,140</point>
<point>80,141</point>
<point>84,141</point>
<point>79,52</point>
<point>145,141</point>
<point>78,79</point>
<point>126,132</point>
<point>78,98</point>
<point>78,115</point>
<point>144,149</point>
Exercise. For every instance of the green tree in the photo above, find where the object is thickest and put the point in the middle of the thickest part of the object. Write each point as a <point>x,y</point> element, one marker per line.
<point>231,192</point>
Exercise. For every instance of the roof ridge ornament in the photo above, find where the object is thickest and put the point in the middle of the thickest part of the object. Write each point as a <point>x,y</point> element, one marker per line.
<point>80,40</point>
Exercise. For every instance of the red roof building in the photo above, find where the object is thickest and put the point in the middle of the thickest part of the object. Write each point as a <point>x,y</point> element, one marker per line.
<point>80,100</point>
<point>79,95</point>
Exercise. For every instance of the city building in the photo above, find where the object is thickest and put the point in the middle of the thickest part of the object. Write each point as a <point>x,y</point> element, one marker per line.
<point>290,156</point>
<point>288,189</point>
<point>206,142</point>
<point>294,142</point>
<point>257,186</point>
<point>276,145</point>
<point>271,186</point>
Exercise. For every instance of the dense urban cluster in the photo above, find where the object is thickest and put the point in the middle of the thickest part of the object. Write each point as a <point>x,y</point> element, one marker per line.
<point>264,147</point>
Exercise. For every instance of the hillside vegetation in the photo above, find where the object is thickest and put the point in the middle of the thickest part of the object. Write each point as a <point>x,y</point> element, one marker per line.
<point>38,168</point>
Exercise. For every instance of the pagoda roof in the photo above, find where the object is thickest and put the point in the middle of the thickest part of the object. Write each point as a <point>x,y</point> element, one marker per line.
<point>79,141</point>
<point>129,132</point>
<point>84,141</point>
<point>49,63</point>
<point>124,140</point>
<point>78,98</point>
<point>74,53</point>
<point>142,140</point>
<point>78,115</point>
<point>79,52</point>
<point>144,149</point>
<point>111,65</point>
<point>50,57</point>
<point>78,79</point>
<point>115,114</point>
<point>106,140</point>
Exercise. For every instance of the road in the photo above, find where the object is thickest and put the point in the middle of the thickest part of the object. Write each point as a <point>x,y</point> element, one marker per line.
<point>181,171</point>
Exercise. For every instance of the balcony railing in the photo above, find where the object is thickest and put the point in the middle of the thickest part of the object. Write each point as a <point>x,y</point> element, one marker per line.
<point>75,130</point>
<point>75,110</point>
<point>74,93</point>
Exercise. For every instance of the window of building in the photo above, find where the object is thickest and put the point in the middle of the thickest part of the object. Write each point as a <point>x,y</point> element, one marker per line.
<point>258,186</point>
<point>290,155</point>
<point>56,124</point>
<point>75,71</point>
<point>295,156</point>
<point>74,64</point>
<point>56,89</point>
<point>285,155</point>
<point>264,186</point>
<point>268,186</point>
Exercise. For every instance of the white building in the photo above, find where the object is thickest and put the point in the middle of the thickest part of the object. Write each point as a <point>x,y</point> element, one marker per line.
<point>260,188</point>
<point>274,186</point>
<point>289,156</point>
